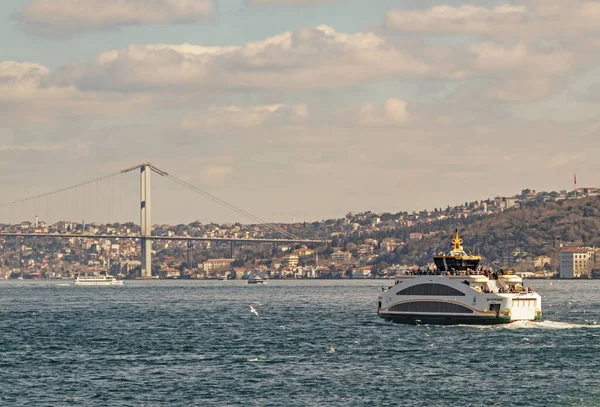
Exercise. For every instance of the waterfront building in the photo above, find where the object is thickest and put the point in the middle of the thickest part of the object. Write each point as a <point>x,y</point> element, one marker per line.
<point>169,273</point>
<point>304,252</point>
<point>576,262</point>
<point>216,264</point>
<point>341,257</point>
<point>290,260</point>
<point>361,272</point>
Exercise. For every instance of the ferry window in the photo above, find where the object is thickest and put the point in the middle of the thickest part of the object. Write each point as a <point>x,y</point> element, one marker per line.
<point>431,306</point>
<point>431,289</point>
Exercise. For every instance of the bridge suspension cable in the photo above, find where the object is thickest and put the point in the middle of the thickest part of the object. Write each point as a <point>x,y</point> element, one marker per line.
<point>60,190</point>
<point>274,228</point>
<point>234,208</point>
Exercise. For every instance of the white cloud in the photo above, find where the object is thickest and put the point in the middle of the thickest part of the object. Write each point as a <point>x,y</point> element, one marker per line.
<point>306,58</point>
<point>392,112</point>
<point>65,17</point>
<point>492,57</point>
<point>518,73</point>
<point>310,58</point>
<point>19,80</point>
<point>466,18</point>
<point>26,97</point>
<point>536,18</point>
<point>219,118</point>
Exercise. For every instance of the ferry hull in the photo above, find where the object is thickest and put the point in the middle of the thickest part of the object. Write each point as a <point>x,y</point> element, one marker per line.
<point>445,319</point>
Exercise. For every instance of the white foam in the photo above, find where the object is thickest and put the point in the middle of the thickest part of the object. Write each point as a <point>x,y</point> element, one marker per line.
<point>551,325</point>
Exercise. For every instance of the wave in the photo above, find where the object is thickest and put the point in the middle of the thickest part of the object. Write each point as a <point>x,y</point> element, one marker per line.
<point>258,359</point>
<point>549,325</point>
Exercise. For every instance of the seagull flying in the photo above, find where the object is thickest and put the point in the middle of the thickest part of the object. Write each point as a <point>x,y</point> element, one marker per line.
<point>252,310</point>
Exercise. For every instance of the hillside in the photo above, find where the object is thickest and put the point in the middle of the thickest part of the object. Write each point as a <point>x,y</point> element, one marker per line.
<point>535,229</point>
<point>504,230</point>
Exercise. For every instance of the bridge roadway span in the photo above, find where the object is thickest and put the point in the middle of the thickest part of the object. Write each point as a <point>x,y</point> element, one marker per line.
<point>206,239</point>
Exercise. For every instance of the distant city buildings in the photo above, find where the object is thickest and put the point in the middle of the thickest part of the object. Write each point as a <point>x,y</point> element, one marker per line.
<point>358,241</point>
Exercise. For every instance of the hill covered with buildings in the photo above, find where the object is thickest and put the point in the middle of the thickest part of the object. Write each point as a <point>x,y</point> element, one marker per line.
<point>526,231</point>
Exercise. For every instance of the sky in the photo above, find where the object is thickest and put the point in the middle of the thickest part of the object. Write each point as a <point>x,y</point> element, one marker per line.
<point>294,109</point>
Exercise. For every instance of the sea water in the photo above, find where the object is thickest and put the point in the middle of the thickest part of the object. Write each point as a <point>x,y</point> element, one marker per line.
<point>313,343</point>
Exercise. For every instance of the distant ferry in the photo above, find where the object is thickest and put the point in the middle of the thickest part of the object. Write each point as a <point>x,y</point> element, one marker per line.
<point>97,280</point>
<point>256,280</point>
<point>459,293</point>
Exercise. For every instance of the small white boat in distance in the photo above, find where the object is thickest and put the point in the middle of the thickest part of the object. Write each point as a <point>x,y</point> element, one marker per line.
<point>256,280</point>
<point>97,280</point>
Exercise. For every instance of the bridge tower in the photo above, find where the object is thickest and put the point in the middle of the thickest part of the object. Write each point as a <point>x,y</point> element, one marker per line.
<point>145,221</point>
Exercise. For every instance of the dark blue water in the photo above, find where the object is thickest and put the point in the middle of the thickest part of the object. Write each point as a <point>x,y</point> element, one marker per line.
<point>196,343</point>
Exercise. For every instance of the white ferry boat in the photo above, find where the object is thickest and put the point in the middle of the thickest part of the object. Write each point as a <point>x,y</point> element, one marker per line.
<point>253,279</point>
<point>459,293</point>
<point>97,280</point>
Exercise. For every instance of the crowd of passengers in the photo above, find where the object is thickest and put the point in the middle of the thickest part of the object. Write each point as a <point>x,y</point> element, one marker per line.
<point>502,290</point>
<point>489,273</point>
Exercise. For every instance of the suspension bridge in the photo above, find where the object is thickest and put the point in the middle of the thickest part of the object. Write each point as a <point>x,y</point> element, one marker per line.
<point>144,206</point>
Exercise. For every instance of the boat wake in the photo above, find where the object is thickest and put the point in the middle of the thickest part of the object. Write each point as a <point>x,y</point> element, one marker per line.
<point>549,325</point>
<point>256,359</point>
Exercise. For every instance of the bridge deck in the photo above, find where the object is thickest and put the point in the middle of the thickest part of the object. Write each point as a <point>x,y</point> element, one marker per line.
<point>207,239</point>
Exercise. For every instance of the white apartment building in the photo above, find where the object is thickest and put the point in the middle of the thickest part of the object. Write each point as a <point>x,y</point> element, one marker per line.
<point>217,264</point>
<point>361,272</point>
<point>341,257</point>
<point>576,263</point>
<point>290,260</point>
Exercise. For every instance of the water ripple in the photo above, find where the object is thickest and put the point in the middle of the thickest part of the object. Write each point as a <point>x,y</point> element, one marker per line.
<point>195,343</point>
